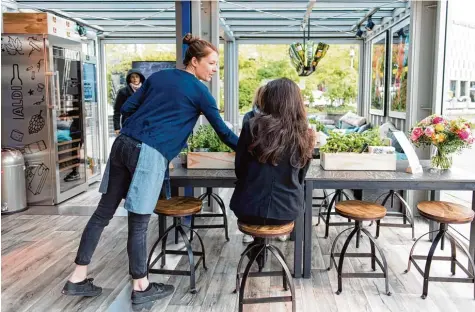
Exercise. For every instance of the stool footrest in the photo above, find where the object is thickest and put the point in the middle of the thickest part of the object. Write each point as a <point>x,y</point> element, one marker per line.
<point>175,272</point>
<point>442,258</point>
<point>262,274</point>
<point>267,300</point>
<point>210,226</point>
<point>355,255</point>
<point>399,225</point>
<point>363,275</point>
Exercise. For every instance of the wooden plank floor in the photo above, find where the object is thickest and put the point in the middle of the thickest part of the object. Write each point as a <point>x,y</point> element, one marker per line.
<point>38,251</point>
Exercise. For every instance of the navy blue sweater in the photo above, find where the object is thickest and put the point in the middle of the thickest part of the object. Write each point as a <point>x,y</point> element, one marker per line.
<point>163,112</point>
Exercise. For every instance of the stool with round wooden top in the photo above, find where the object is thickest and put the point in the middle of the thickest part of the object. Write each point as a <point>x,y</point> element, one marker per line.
<point>444,213</point>
<point>359,211</point>
<point>177,207</point>
<point>264,232</point>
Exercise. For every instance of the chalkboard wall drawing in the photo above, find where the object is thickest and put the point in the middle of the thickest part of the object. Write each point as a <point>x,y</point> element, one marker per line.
<point>34,108</point>
<point>36,177</point>
<point>34,147</point>
<point>16,135</point>
<point>149,67</point>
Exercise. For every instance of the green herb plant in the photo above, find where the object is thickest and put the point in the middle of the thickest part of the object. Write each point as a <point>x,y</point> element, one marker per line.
<point>318,125</point>
<point>206,137</point>
<point>352,142</point>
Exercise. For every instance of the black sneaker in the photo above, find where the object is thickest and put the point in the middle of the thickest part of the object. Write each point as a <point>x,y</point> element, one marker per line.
<point>85,288</point>
<point>153,292</point>
<point>73,176</point>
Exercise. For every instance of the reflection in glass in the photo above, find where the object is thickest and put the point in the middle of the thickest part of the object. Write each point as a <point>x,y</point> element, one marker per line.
<point>378,74</point>
<point>69,119</point>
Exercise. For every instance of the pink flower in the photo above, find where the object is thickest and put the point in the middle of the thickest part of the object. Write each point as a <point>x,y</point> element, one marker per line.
<point>425,121</point>
<point>416,133</point>
<point>467,125</point>
<point>464,135</point>
<point>438,120</point>
<point>429,131</point>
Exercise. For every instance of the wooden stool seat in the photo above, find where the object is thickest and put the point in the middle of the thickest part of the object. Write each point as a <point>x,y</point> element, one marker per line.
<point>266,230</point>
<point>178,206</point>
<point>445,212</point>
<point>360,210</point>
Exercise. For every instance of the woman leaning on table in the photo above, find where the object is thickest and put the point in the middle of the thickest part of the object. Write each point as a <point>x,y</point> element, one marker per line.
<point>160,117</point>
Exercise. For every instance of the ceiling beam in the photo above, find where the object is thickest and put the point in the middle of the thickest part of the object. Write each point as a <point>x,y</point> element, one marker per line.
<point>226,32</point>
<point>282,22</point>
<point>139,28</point>
<point>321,5</point>
<point>296,36</point>
<point>98,5</point>
<point>124,15</point>
<point>297,15</point>
<point>295,28</point>
<point>364,18</point>
<point>102,22</point>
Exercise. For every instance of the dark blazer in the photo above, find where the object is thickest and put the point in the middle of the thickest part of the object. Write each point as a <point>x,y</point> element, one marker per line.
<point>265,190</point>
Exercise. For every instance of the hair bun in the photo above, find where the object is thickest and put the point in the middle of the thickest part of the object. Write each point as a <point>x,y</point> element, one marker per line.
<point>189,39</point>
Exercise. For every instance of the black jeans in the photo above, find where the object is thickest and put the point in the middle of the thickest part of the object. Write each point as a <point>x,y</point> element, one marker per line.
<point>123,161</point>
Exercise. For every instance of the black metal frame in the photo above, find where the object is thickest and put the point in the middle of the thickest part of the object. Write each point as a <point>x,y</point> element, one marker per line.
<point>209,193</point>
<point>287,281</point>
<point>336,197</point>
<point>454,242</point>
<point>178,226</point>
<point>383,265</point>
<point>406,214</point>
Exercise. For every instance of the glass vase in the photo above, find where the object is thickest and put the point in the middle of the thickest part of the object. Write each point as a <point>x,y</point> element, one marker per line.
<point>441,160</point>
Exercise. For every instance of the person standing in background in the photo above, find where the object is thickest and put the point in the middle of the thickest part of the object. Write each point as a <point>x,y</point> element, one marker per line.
<point>134,81</point>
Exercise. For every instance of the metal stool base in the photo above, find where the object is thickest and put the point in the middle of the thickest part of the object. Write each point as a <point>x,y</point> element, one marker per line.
<point>241,278</point>
<point>381,263</point>
<point>209,193</point>
<point>325,215</point>
<point>406,214</point>
<point>454,243</point>
<point>178,227</point>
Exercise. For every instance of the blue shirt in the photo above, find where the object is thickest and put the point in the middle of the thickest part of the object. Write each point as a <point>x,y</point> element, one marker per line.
<point>164,111</point>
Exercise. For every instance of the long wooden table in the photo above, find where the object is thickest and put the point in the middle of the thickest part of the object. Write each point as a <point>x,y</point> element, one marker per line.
<point>317,178</point>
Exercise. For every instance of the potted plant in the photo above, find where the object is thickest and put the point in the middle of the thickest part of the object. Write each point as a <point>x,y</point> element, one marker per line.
<point>207,151</point>
<point>319,129</point>
<point>447,136</point>
<point>352,152</point>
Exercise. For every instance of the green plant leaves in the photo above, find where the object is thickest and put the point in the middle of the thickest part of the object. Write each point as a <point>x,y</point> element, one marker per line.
<point>206,137</point>
<point>352,142</point>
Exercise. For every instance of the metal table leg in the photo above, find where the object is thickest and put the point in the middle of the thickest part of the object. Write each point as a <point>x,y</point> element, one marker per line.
<point>298,244</point>
<point>307,243</point>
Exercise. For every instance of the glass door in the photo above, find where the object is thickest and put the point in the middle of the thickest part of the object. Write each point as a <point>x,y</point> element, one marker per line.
<point>69,120</point>
<point>92,121</point>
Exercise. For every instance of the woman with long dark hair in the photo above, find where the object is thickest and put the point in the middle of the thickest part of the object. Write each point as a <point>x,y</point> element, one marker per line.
<point>161,116</point>
<point>272,158</point>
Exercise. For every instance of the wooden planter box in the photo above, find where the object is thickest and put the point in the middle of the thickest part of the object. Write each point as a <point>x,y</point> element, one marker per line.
<point>210,160</point>
<point>356,161</point>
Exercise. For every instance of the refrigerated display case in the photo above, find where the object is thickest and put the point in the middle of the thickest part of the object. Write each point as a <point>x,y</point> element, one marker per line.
<point>93,161</point>
<point>43,103</point>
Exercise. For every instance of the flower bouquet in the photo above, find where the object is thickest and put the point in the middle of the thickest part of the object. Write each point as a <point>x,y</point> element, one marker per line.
<point>448,136</point>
